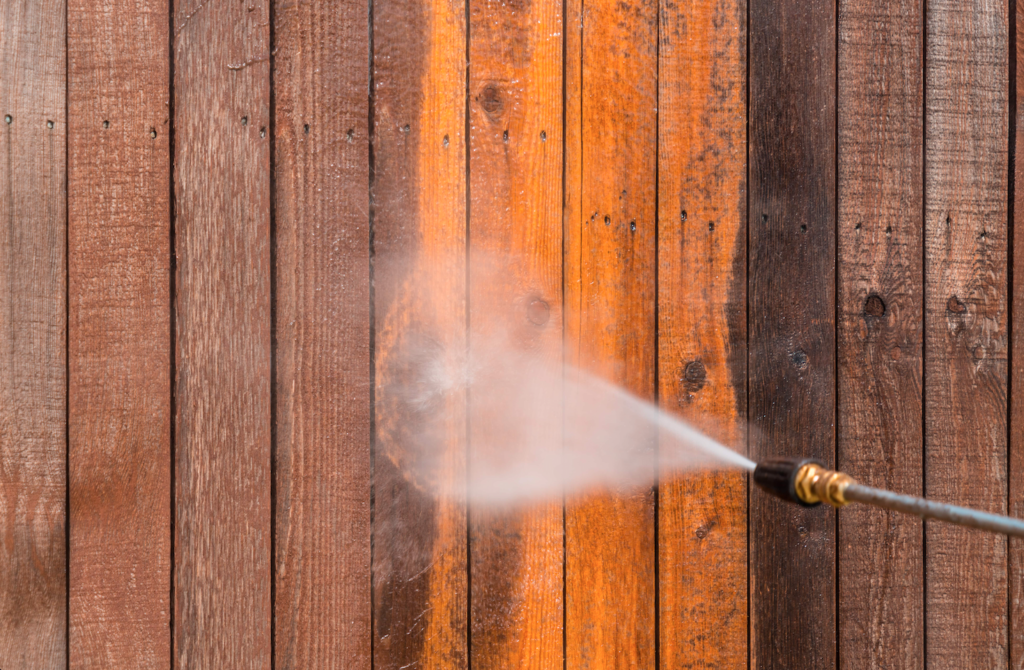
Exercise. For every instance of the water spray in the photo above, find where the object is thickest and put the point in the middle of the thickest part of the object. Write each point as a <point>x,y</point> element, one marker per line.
<point>808,483</point>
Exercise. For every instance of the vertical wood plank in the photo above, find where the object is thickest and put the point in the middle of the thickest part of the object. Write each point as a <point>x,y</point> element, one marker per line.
<point>702,244</point>
<point>32,336</point>
<point>222,236</point>
<point>881,237</point>
<point>610,271</point>
<point>419,193</point>
<point>119,334</point>
<point>791,321</point>
<point>515,310</point>
<point>322,603</point>
<point>1015,477</point>
<point>966,326</point>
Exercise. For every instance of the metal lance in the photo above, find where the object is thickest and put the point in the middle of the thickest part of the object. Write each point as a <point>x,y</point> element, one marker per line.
<point>809,483</point>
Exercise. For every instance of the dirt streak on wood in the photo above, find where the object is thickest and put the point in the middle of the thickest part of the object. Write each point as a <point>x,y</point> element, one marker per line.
<point>222,234</point>
<point>881,233</point>
<point>322,604</point>
<point>791,322</point>
<point>702,519</point>
<point>515,303</point>
<point>419,563</point>
<point>32,336</point>
<point>119,338</point>
<point>610,297</point>
<point>966,120</point>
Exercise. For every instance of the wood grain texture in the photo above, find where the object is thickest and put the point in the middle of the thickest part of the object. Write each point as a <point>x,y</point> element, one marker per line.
<point>420,568</point>
<point>515,310</point>
<point>967,118</point>
<point>791,322</point>
<point>610,299</point>
<point>702,253</point>
<point>222,558</point>
<point>1015,477</point>
<point>119,339</point>
<point>322,599</point>
<point>881,233</point>
<point>32,336</point>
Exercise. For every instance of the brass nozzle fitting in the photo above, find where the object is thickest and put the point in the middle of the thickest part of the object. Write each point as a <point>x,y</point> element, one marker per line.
<point>815,484</point>
<point>802,481</point>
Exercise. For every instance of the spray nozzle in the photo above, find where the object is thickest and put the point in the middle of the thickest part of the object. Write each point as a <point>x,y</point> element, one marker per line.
<point>803,481</point>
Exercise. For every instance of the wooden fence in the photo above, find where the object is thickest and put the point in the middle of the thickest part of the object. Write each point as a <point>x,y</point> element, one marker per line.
<point>789,219</point>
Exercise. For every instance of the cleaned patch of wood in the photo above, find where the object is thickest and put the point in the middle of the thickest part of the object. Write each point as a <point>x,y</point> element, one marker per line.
<point>702,360</point>
<point>420,568</point>
<point>610,298</point>
<point>515,309</point>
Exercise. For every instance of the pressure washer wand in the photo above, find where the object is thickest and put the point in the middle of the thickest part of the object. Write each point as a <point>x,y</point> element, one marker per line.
<point>808,483</point>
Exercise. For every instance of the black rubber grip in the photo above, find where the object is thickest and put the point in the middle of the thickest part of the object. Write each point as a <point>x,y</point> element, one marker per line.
<point>778,477</point>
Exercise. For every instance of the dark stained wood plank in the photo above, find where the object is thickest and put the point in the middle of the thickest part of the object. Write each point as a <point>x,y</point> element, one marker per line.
<point>222,528</point>
<point>119,338</point>
<point>32,336</point>
<point>881,233</point>
<point>791,322</point>
<point>966,341</point>
<point>419,193</point>
<point>1015,477</point>
<point>702,330</point>
<point>515,311</point>
<point>322,599</point>
<point>610,299</point>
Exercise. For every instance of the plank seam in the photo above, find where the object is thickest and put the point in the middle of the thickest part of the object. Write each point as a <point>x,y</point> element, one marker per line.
<point>271,123</point>
<point>371,179</point>
<point>1011,187</point>
<point>67,353</point>
<point>924,326</point>
<point>172,321</point>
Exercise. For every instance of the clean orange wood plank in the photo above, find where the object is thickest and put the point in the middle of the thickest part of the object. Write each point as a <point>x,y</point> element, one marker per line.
<point>702,241</point>
<point>419,193</point>
<point>322,599</point>
<point>610,296</point>
<point>791,308</point>
<point>119,338</point>
<point>881,233</point>
<point>32,336</point>
<point>222,529</point>
<point>966,339</point>
<point>515,309</point>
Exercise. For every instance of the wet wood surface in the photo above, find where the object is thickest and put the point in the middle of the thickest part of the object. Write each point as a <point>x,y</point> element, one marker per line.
<point>881,291</point>
<point>420,569</point>
<point>791,311</point>
<point>222,518</point>
<point>515,310</point>
<point>966,327</point>
<point>702,343</point>
<point>295,230</point>
<point>33,331</point>
<point>119,336</point>
<point>610,330</point>
<point>322,328</point>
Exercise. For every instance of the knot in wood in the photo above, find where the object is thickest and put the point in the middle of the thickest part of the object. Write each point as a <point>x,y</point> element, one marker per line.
<point>874,305</point>
<point>955,306</point>
<point>694,376</point>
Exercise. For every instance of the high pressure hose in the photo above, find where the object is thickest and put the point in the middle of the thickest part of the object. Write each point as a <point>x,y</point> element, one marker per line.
<point>807,482</point>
